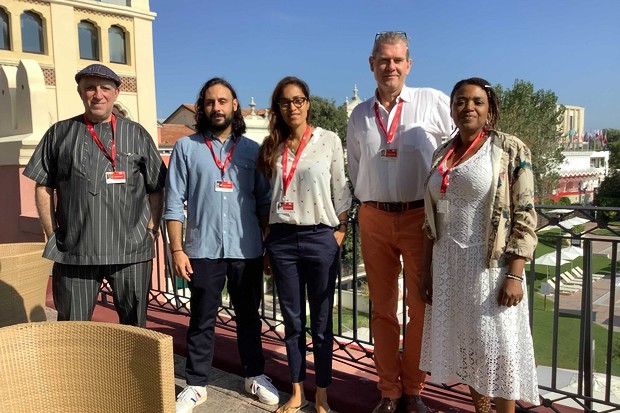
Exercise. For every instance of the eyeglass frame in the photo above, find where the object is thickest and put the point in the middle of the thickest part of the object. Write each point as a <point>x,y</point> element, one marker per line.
<point>285,104</point>
<point>398,33</point>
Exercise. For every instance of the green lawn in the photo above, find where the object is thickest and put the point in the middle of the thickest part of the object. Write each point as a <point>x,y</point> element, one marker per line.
<point>363,320</point>
<point>568,339</point>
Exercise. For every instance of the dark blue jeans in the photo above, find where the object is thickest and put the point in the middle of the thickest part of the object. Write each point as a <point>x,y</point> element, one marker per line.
<point>305,258</point>
<point>245,282</point>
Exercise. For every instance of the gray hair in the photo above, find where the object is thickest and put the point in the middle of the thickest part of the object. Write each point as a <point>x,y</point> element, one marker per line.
<point>391,37</point>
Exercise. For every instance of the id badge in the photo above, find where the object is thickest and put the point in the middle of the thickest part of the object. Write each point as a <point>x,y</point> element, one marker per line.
<point>389,154</point>
<point>116,177</point>
<point>223,186</point>
<point>285,207</point>
<point>442,206</point>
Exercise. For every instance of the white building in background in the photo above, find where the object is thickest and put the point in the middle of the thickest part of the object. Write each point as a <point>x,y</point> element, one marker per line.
<point>355,100</point>
<point>585,159</point>
<point>581,174</point>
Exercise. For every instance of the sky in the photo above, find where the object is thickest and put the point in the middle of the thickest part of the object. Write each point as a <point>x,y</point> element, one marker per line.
<point>571,47</point>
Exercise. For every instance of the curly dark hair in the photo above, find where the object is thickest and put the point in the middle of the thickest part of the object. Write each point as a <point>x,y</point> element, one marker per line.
<point>491,95</point>
<point>202,123</point>
<point>278,129</point>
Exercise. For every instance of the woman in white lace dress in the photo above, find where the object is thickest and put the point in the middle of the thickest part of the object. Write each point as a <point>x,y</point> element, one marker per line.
<point>480,219</point>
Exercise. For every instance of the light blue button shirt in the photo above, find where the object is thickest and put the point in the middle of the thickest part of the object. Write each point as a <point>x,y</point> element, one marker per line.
<point>218,224</point>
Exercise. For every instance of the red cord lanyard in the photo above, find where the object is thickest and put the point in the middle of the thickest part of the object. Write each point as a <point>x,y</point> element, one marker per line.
<point>218,163</point>
<point>445,171</point>
<point>112,154</point>
<point>286,179</point>
<point>389,135</point>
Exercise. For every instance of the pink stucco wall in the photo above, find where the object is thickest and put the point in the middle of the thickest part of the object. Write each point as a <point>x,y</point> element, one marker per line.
<point>19,221</point>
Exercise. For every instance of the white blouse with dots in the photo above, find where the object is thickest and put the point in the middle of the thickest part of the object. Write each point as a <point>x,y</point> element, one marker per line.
<point>319,188</point>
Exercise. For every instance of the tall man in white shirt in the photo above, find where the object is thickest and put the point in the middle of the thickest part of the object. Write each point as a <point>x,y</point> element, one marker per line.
<point>391,138</point>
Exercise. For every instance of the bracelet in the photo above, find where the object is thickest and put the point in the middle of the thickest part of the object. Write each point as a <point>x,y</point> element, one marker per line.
<point>173,251</point>
<point>512,276</point>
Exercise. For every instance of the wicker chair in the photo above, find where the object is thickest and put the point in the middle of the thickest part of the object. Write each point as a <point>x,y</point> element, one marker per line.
<point>24,275</point>
<point>85,367</point>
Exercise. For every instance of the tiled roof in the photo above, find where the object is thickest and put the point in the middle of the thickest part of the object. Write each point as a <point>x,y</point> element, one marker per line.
<point>259,112</point>
<point>171,133</point>
<point>189,106</point>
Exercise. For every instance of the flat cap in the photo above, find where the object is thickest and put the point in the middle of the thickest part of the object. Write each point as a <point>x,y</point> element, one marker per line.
<point>98,70</point>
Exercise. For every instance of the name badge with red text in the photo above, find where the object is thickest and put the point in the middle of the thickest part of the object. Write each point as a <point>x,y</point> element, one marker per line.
<point>116,177</point>
<point>285,207</point>
<point>223,186</point>
<point>390,154</point>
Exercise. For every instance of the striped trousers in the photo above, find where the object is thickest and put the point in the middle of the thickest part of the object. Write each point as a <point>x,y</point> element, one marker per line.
<point>75,289</point>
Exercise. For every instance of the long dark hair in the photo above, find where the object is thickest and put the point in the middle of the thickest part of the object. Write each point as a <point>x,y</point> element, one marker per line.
<point>238,124</point>
<point>278,129</point>
<point>491,95</point>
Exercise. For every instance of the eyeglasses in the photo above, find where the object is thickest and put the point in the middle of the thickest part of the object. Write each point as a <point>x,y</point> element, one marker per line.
<point>298,101</point>
<point>402,35</point>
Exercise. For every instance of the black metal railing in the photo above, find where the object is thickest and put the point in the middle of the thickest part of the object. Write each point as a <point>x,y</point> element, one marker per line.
<point>587,388</point>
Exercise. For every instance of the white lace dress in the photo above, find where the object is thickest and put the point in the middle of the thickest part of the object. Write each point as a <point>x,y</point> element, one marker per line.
<point>468,337</point>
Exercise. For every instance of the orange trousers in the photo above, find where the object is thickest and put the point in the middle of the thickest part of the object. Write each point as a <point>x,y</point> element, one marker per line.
<point>386,236</point>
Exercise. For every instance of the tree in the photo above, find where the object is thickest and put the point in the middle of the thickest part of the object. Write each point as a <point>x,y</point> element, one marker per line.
<point>328,116</point>
<point>613,144</point>
<point>608,195</point>
<point>534,117</point>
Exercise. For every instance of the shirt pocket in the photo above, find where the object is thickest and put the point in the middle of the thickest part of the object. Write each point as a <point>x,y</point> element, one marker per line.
<point>245,170</point>
<point>413,138</point>
<point>132,164</point>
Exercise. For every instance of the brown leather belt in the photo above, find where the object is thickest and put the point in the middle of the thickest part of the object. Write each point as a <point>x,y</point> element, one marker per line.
<point>395,206</point>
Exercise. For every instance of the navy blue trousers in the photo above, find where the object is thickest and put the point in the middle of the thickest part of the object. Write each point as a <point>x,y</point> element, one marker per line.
<point>305,258</point>
<point>245,283</point>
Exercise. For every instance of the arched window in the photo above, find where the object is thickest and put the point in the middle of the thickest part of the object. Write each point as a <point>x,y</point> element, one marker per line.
<point>5,39</point>
<point>88,36</point>
<point>32,32</point>
<point>118,45</point>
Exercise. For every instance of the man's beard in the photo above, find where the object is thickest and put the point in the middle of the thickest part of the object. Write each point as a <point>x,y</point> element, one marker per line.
<point>218,127</point>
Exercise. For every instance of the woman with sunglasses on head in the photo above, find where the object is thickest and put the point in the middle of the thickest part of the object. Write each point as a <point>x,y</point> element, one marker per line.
<point>480,216</point>
<point>307,225</point>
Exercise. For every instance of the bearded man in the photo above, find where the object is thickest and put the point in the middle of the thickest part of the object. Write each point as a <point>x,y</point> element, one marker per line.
<point>213,173</point>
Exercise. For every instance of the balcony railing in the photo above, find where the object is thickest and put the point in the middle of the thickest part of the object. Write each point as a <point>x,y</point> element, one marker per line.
<point>577,350</point>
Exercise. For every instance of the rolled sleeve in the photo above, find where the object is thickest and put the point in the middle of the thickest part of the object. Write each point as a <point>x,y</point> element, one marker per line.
<point>155,170</point>
<point>176,185</point>
<point>522,239</point>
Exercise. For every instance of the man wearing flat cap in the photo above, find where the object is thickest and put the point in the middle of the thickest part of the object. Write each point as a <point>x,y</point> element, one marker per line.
<point>99,193</point>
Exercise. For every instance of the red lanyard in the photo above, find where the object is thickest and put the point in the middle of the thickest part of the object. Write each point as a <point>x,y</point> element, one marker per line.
<point>112,154</point>
<point>445,171</point>
<point>222,167</point>
<point>390,135</point>
<point>286,179</point>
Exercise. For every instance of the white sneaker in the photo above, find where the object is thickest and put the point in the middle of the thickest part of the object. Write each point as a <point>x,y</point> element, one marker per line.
<point>190,397</point>
<point>262,387</point>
